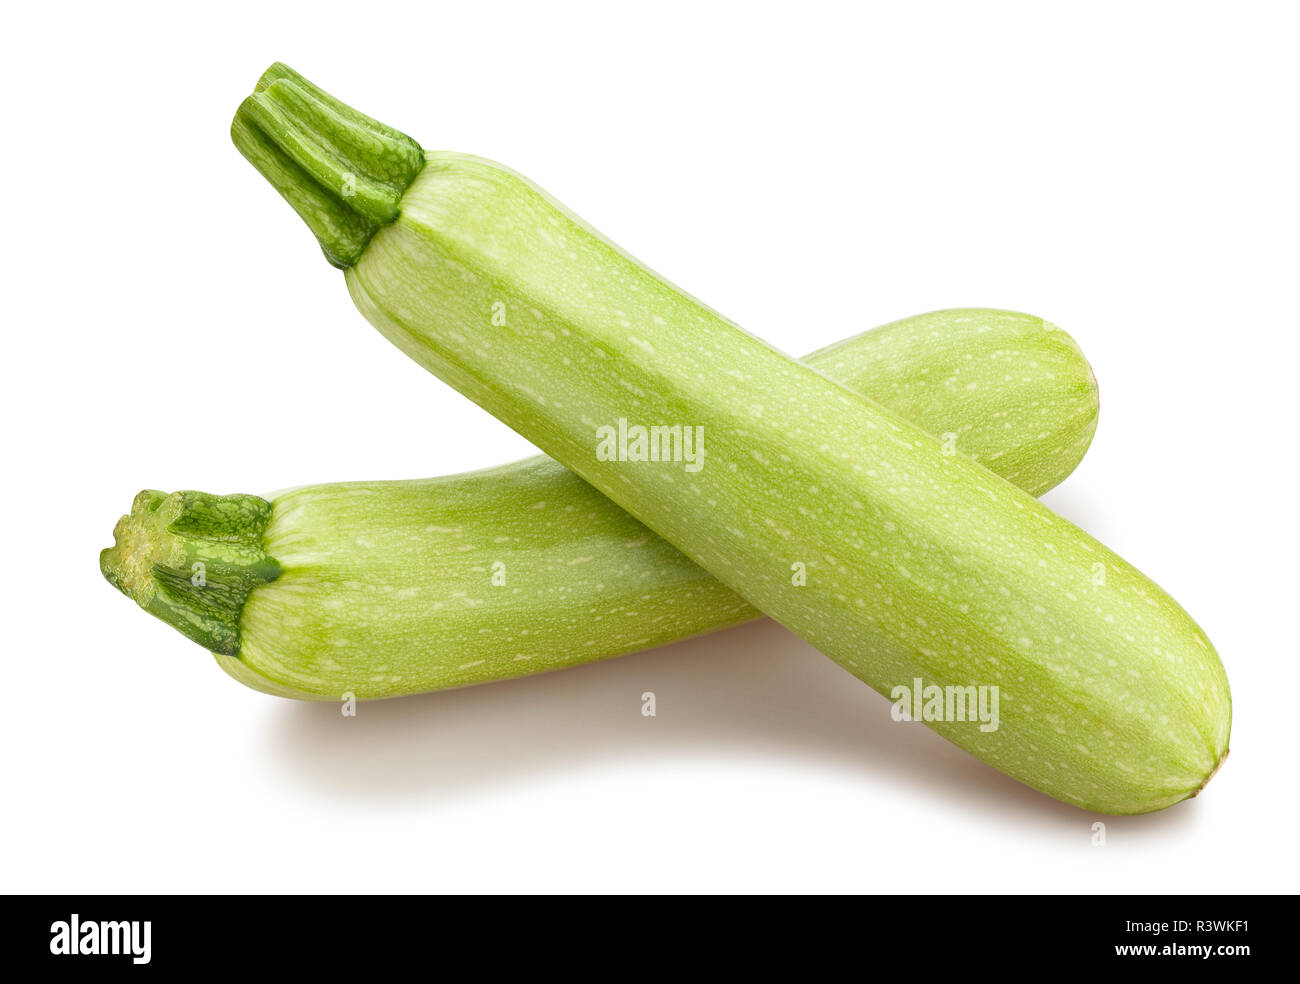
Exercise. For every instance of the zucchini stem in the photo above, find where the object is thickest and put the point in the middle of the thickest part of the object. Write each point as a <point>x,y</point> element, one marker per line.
<point>191,559</point>
<point>343,172</point>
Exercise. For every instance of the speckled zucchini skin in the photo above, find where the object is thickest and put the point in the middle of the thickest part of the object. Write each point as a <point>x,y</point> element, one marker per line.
<point>921,564</point>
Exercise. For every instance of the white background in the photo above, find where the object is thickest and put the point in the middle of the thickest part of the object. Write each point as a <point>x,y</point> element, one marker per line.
<point>1128,171</point>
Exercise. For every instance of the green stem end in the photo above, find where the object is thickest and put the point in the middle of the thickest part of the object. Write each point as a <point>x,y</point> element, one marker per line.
<point>191,559</point>
<point>343,172</point>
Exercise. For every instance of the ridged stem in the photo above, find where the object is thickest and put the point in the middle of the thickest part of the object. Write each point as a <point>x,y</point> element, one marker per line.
<point>191,559</point>
<point>343,172</point>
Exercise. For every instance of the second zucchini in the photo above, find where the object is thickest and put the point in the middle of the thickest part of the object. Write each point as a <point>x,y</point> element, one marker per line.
<point>380,589</point>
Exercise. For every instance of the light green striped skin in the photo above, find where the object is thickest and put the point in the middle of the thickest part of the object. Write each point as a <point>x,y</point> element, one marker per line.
<point>392,588</point>
<point>920,563</point>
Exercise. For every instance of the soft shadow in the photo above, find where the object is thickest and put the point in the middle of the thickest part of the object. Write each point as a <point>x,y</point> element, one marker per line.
<point>1083,510</point>
<point>755,691</point>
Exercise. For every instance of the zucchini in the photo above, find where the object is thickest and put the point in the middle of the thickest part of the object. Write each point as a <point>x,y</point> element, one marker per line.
<point>920,564</point>
<point>380,589</point>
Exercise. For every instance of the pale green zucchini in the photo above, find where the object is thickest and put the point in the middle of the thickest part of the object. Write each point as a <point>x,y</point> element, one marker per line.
<point>921,565</point>
<point>379,589</point>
